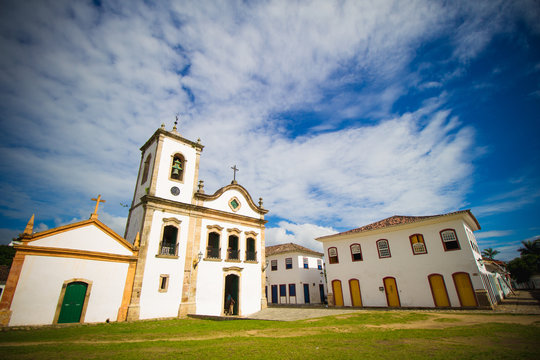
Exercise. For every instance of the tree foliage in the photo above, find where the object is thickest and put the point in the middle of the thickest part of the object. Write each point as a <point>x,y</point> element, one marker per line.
<point>530,247</point>
<point>6,254</point>
<point>522,268</point>
<point>490,253</point>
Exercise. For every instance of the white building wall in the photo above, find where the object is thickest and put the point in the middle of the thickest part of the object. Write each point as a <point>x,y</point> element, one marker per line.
<point>35,300</point>
<point>155,304</point>
<point>410,271</point>
<point>297,275</point>
<point>211,276</point>
<point>88,238</point>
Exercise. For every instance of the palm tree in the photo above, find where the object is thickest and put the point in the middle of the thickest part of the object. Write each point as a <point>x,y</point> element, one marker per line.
<point>530,247</point>
<point>490,253</point>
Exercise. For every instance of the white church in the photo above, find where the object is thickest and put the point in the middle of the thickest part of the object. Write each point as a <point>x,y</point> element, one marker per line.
<point>183,252</point>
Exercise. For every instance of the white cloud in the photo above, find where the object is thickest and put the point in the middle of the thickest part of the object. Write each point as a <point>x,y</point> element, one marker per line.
<point>301,234</point>
<point>492,234</point>
<point>86,87</point>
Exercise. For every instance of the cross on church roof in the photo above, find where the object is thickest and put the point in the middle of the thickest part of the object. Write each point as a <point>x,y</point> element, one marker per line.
<point>235,169</point>
<point>97,200</point>
<point>175,122</point>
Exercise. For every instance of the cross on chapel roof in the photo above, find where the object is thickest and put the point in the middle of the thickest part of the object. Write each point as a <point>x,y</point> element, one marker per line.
<point>94,215</point>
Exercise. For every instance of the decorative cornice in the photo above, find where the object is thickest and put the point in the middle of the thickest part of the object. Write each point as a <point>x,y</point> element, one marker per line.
<point>165,133</point>
<point>150,201</point>
<point>74,253</point>
<point>232,268</point>
<point>237,187</point>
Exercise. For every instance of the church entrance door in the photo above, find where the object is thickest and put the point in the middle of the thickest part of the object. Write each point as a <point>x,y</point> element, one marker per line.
<point>73,302</point>
<point>231,288</point>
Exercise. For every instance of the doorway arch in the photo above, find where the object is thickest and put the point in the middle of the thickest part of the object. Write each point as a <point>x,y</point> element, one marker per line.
<point>232,288</point>
<point>73,301</point>
<point>464,289</point>
<point>438,290</point>
<point>338,293</point>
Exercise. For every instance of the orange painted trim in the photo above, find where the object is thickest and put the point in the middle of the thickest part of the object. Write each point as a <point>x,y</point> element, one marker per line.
<point>72,253</point>
<point>11,286</point>
<point>128,289</point>
<point>81,224</point>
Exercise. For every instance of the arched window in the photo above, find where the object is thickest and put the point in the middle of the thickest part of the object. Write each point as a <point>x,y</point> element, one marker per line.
<point>169,243</point>
<point>418,245</point>
<point>251,253</point>
<point>383,248</point>
<point>449,240</point>
<point>177,167</point>
<point>146,169</point>
<point>356,252</point>
<point>333,255</point>
<point>213,249</point>
<point>233,253</point>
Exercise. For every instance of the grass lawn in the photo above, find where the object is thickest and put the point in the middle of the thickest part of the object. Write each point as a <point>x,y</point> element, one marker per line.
<point>364,335</point>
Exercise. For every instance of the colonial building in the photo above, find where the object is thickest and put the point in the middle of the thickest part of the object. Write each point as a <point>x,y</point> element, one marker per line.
<point>295,275</point>
<point>408,261</point>
<point>184,251</point>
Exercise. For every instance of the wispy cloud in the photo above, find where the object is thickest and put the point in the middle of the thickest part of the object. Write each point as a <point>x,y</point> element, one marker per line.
<point>492,234</point>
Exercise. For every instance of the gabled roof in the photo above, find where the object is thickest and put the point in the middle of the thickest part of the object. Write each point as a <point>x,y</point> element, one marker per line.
<point>290,247</point>
<point>397,220</point>
<point>80,224</point>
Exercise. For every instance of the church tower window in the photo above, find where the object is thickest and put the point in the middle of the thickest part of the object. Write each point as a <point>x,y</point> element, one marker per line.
<point>169,244</point>
<point>177,167</point>
<point>146,169</point>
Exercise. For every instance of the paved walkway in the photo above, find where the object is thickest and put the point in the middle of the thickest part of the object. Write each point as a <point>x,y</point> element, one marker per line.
<point>523,302</point>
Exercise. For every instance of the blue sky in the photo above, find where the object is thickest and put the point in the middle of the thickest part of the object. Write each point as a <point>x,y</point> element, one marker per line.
<point>337,113</point>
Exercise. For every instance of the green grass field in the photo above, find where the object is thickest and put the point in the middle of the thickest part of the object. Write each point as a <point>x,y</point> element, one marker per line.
<point>365,335</point>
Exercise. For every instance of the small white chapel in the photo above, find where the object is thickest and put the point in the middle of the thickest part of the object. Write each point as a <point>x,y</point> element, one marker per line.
<point>183,251</point>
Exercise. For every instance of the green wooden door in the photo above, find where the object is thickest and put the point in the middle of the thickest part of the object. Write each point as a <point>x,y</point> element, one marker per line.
<point>72,304</point>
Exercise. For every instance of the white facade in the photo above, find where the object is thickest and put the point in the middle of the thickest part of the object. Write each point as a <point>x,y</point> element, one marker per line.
<point>412,274</point>
<point>46,263</point>
<point>184,276</point>
<point>295,275</point>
